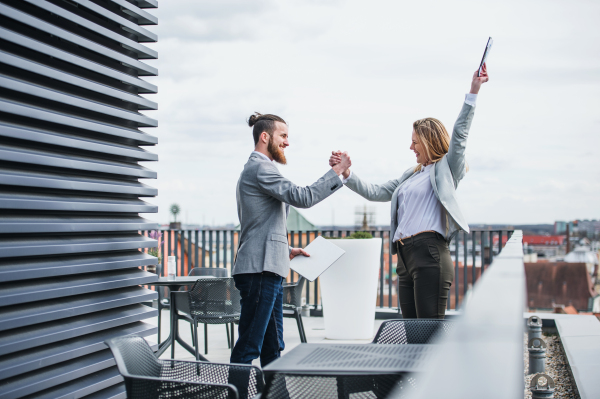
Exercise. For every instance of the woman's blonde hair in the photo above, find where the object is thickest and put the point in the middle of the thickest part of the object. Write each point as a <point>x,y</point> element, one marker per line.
<point>433,137</point>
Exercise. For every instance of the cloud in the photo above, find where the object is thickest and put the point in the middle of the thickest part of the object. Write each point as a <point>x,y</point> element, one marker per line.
<point>246,21</point>
<point>354,76</point>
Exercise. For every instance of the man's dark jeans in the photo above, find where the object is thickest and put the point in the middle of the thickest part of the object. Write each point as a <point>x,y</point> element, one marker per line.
<point>261,320</point>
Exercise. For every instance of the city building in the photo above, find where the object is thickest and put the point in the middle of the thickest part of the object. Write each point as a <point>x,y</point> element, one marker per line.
<point>545,246</point>
<point>560,283</point>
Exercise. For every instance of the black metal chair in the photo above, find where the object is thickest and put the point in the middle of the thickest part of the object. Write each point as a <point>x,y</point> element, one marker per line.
<point>210,301</point>
<point>398,332</point>
<point>333,385</point>
<point>215,272</point>
<point>164,300</point>
<point>148,377</point>
<point>292,304</point>
<point>329,385</point>
<point>411,331</point>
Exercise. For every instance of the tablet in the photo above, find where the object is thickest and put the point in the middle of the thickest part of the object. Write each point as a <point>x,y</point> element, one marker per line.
<point>486,52</point>
<point>323,253</point>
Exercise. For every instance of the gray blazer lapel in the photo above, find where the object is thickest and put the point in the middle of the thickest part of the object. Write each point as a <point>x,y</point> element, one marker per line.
<point>432,179</point>
<point>394,216</point>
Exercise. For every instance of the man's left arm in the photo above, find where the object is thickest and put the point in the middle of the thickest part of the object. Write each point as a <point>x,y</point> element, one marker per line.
<point>274,184</point>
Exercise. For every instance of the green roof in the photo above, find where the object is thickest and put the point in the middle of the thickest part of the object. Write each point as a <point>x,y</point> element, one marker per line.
<point>296,221</point>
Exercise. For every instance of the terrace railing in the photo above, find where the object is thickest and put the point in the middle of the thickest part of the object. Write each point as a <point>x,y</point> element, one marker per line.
<point>472,254</point>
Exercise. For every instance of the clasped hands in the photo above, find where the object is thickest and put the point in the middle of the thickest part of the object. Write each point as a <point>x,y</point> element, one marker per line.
<point>340,162</point>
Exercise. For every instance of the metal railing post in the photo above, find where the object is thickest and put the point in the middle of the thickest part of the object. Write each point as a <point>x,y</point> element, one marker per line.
<point>482,252</point>
<point>218,250</point>
<point>300,245</point>
<point>491,246</point>
<point>196,262</point>
<point>316,233</point>
<point>210,248</point>
<point>381,270</point>
<point>232,249</point>
<point>203,247</point>
<point>224,249</point>
<point>293,245</point>
<point>390,269</point>
<point>168,239</point>
<point>189,255</point>
<point>499,242</point>
<point>164,251</point>
<point>456,273</point>
<point>181,248</point>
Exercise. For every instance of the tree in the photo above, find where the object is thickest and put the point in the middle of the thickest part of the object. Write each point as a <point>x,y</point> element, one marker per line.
<point>175,210</point>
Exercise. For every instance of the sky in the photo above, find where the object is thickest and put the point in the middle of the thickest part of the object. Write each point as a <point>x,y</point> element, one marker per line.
<point>354,75</point>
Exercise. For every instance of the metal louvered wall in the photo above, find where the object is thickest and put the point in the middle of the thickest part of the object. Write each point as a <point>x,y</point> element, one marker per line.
<point>70,264</point>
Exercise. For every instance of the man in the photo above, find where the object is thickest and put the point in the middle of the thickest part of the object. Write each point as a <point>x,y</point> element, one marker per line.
<point>263,258</point>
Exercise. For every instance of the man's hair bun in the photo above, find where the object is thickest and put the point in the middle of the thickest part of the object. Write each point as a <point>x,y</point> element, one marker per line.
<point>263,123</point>
<point>253,119</point>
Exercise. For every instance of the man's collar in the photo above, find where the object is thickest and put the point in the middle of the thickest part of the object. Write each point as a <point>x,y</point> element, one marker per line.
<point>263,156</point>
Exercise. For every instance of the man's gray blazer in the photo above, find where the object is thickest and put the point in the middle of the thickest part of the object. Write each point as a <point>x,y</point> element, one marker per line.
<point>444,176</point>
<point>262,197</point>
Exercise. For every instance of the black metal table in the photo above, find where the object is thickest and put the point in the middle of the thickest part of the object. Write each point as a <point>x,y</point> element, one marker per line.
<point>353,368</point>
<point>174,286</point>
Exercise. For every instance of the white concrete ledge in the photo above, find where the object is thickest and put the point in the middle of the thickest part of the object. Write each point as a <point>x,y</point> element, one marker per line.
<point>580,337</point>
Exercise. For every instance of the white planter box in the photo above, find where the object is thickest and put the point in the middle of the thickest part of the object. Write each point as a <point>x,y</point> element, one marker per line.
<point>349,290</point>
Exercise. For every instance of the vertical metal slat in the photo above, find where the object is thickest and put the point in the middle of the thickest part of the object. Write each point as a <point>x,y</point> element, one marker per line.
<point>210,248</point>
<point>218,250</point>
<point>483,238</point>
<point>196,244</point>
<point>456,286</point>
<point>391,269</point>
<point>491,246</point>
<point>381,271</point>
<point>203,247</point>
<point>189,251</point>
<point>232,249</point>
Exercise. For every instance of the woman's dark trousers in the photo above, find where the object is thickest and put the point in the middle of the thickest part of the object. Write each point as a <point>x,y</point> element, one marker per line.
<point>425,274</point>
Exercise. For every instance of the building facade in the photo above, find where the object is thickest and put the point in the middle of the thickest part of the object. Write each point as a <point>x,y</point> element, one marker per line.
<point>71,269</point>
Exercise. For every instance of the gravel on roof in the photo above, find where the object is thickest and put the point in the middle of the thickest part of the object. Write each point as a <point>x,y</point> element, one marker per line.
<point>556,367</point>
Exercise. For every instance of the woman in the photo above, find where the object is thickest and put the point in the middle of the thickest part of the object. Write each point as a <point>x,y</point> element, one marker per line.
<point>425,211</point>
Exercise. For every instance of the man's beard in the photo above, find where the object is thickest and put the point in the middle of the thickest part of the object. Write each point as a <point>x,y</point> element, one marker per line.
<point>276,152</point>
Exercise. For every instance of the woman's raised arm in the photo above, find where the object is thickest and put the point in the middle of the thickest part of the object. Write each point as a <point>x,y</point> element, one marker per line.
<point>458,141</point>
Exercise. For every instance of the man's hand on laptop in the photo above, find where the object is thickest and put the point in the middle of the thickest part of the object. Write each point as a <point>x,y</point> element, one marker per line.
<point>297,251</point>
